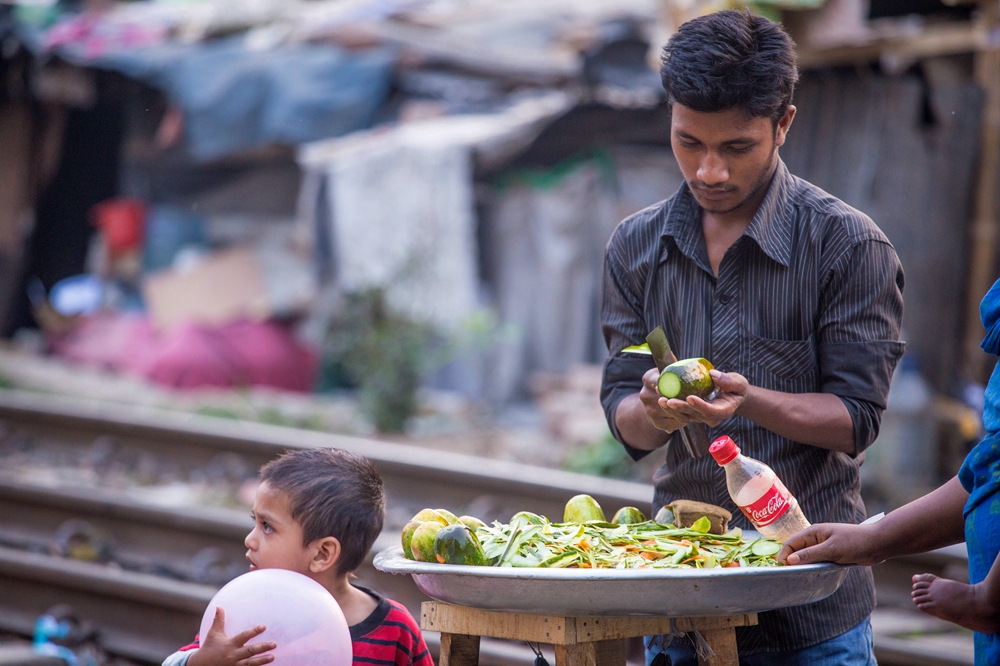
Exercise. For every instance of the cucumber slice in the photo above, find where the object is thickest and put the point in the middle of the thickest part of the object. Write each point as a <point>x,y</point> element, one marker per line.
<point>669,384</point>
<point>762,548</point>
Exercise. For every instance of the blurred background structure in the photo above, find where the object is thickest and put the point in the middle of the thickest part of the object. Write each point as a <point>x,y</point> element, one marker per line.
<point>387,217</point>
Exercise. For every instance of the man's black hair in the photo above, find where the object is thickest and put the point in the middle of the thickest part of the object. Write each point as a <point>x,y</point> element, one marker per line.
<point>333,493</point>
<point>730,59</point>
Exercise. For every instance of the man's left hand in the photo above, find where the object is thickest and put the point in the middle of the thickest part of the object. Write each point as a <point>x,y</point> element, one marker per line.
<point>733,390</point>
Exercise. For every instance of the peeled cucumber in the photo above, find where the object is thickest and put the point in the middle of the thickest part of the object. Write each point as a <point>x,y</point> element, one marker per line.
<point>687,377</point>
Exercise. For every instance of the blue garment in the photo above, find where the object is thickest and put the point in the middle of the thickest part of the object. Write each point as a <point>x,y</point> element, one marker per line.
<point>853,648</point>
<point>980,476</point>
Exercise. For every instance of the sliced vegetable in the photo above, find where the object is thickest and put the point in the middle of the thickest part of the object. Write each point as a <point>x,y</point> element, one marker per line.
<point>687,377</point>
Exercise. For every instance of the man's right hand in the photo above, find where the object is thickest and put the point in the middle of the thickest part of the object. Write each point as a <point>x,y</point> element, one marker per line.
<point>660,413</point>
<point>217,649</point>
<point>840,543</point>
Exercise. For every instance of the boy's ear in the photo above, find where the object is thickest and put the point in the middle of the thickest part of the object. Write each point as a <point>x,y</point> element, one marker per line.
<point>326,554</point>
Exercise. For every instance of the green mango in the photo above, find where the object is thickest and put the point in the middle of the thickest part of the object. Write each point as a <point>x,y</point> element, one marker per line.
<point>422,542</point>
<point>628,515</point>
<point>407,537</point>
<point>449,516</point>
<point>528,517</point>
<point>583,509</point>
<point>456,544</point>
<point>471,522</point>
<point>665,516</point>
<point>425,515</point>
<point>687,377</point>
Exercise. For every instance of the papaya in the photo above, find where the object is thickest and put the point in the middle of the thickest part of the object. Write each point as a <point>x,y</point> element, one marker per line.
<point>471,522</point>
<point>422,542</point>
<point>425,515</point>
<point>583,509</point>
<point>407,537</point>
<point>687,377</point>
<point>456,544</point>
<point>628,515</point>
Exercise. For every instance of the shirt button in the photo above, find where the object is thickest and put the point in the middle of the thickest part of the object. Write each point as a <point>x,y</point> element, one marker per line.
<point>724,298</point>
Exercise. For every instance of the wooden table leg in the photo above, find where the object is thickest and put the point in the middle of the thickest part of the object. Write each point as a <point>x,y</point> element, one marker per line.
<point>597,653</point>
<point>723,644</point>
<point>459,650</point>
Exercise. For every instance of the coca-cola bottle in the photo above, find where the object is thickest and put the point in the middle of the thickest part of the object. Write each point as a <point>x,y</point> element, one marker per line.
<point>759,493</point>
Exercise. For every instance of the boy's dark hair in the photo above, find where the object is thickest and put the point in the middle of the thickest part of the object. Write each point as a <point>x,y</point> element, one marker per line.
<point>333,493</point>
<point>730,59</point>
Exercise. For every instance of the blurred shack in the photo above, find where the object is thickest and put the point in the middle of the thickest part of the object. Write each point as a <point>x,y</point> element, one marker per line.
<point>196,193</point>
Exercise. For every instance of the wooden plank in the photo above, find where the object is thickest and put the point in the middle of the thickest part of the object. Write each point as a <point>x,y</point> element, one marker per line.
<point>578,654</point>
<point>459,650</point>
<point>723,644</point>
<point>610,653</point>
<point>436,616</point>
<point>605,628</point>
<point>968,37</point>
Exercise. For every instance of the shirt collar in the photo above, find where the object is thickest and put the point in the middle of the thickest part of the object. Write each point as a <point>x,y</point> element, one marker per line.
<point>770,227</point>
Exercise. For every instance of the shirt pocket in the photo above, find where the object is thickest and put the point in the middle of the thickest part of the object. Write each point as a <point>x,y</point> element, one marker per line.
<point>784,365</point>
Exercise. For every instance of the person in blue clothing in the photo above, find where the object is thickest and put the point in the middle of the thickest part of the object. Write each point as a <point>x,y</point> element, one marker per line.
<point>967,506</point>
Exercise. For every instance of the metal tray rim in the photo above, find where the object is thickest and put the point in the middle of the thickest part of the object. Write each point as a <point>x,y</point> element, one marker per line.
<point>391,560</point>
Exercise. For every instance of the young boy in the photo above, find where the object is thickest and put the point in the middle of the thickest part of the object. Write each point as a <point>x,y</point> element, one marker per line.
<point>317,513</point>
<point>966,506</point>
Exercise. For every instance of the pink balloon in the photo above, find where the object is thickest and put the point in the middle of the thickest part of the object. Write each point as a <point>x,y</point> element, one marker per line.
<point>301,617</point>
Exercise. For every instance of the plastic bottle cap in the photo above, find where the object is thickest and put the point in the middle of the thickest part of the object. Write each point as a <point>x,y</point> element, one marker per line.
<point>724,450</point>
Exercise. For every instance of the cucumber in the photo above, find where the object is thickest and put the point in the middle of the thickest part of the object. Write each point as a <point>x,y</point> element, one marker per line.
<point>687,377</point>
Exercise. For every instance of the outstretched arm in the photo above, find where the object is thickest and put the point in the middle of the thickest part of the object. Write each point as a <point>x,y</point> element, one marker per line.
<point>929,522</point>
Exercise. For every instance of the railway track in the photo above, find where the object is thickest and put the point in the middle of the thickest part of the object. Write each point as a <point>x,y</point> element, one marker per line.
<point>146,602</point>
<point>169,558</point>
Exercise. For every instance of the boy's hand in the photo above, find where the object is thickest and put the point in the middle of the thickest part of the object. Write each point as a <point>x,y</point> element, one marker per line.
<point>217,649</point>
<point>831,542</point>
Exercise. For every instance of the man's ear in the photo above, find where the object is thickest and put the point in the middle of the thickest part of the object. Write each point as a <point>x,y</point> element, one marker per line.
<point>326,555</point>
<point>781,130</point>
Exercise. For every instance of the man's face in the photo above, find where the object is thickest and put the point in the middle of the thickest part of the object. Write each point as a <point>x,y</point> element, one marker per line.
<point>726,157</point>
<point>276,539</point>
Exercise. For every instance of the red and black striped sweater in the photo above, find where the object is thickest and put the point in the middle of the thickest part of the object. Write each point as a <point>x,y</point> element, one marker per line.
<point>388,637</point>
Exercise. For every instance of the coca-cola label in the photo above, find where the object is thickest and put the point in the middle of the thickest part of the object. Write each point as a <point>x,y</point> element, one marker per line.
<point>772,505</point>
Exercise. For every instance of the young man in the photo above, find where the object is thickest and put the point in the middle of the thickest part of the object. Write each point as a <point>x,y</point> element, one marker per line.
<point>793,295</point>
<point>317,513</point>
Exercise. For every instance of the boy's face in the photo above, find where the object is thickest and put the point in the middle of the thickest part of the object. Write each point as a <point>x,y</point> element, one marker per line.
<point>276,539</point>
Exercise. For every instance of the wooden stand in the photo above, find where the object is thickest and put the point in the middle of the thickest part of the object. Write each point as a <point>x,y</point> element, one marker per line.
<point>579,641</point>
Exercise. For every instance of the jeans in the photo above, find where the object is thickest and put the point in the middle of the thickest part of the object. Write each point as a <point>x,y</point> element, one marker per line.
<point>852,648</point>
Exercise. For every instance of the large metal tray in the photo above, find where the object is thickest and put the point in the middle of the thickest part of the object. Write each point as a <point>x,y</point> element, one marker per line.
<point>619,592</point>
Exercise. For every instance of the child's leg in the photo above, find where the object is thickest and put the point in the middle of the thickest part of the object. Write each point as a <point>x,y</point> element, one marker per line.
<point>975,607</point>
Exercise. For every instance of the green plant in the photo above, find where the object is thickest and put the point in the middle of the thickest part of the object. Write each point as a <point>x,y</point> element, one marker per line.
<point>605,457</point>
<point>384,352</point>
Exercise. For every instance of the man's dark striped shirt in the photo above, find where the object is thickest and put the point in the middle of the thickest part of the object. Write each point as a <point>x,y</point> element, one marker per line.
<point>809,299</point>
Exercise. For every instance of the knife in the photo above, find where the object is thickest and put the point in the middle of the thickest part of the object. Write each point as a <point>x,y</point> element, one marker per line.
<point>694,436</point>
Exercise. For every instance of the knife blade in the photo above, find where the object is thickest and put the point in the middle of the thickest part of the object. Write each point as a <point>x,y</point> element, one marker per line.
<point>693,435</point>
<point>660,347</point>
